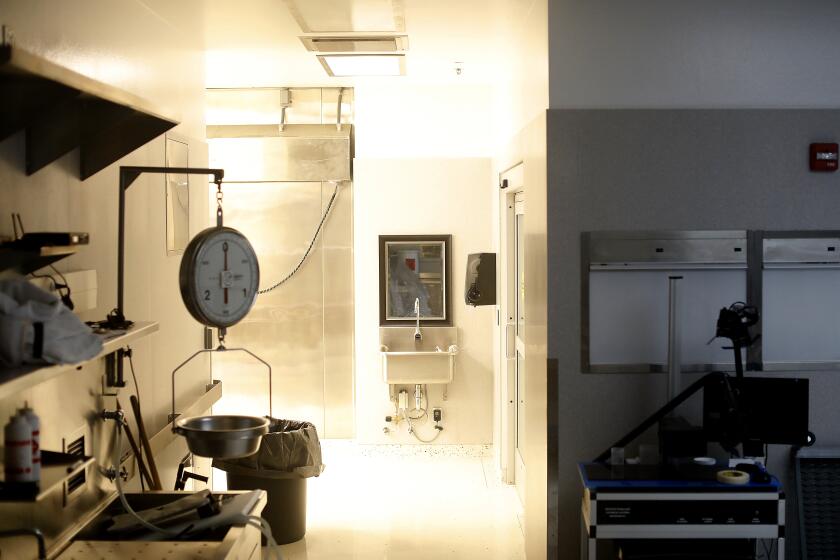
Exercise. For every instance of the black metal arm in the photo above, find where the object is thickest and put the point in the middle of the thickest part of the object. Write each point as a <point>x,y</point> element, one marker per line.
<point>128,174</point>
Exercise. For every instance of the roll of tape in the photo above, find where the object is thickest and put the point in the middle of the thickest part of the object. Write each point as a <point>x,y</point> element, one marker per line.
<point>735,478</point>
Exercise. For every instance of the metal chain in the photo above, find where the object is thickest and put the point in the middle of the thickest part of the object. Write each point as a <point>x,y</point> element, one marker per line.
<point>219,213</point>
<point>309,249</point>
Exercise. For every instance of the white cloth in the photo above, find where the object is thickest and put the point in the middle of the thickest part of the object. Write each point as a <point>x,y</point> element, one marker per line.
<point>66,339</point>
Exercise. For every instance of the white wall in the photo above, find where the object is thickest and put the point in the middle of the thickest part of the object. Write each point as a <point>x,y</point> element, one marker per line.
<point>422,167</point>
<point>424,196</point>
<point>519,107</point>
<point>399,120</point>
<point>520,93</point>
<point>717,53</point>
<point>153,49</point>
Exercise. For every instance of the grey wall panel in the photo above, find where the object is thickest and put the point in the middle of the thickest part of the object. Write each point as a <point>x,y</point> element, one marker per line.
<point>667,169</point>
<point>715,53</point>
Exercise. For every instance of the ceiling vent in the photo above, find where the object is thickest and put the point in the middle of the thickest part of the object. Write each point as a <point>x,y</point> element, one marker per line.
<point>354,44</point>
<point>343,16</point>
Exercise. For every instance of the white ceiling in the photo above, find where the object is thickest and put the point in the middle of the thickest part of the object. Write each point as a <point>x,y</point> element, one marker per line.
<point>252,43</point>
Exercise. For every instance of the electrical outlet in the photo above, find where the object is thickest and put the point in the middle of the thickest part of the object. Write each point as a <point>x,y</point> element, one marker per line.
<point>437,414</point>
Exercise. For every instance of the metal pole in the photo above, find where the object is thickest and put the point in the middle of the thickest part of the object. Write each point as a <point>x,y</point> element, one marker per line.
<point>128,174</point>
<point>338,110</point>
<point>673,339</point>
<point>121,246</point>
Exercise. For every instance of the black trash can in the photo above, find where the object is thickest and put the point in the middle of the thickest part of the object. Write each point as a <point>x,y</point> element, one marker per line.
<point>289,454</point>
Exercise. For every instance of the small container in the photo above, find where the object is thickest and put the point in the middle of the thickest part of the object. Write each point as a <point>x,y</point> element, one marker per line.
<point>17,447</point>
<point>35,425</point>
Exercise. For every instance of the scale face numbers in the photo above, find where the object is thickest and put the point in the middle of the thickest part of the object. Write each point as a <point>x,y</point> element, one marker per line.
<point>219,277</point>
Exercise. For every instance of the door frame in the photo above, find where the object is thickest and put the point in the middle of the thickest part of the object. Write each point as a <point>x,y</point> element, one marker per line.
<point>511,182</point>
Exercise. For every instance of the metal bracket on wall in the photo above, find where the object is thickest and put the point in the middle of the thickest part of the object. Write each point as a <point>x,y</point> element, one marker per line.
<point>114,371</point>
<point>208,338</point>
<point>338,110</point>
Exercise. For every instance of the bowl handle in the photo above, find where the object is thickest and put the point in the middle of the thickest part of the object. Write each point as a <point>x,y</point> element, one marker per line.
<point>220,349</point>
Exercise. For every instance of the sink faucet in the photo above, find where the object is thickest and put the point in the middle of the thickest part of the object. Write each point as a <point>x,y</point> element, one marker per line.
<point>417,334</point>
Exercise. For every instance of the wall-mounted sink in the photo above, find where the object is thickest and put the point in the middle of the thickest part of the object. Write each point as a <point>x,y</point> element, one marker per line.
<point>406,361</point>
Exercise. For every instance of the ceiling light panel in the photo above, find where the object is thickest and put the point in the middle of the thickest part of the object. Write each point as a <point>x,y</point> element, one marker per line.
<point>332,44</point>
<point>334,16</point>
<point>343,65</point>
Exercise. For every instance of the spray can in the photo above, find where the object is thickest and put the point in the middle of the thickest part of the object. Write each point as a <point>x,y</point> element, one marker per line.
<point>18,450</point>
<point>35,425</point>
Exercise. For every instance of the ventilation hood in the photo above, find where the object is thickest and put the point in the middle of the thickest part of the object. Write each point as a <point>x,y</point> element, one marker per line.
<point>299,152</point>
<point>343,16</point>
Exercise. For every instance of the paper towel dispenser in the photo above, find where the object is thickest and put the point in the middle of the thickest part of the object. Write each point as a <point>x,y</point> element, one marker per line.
<point>480,284</point>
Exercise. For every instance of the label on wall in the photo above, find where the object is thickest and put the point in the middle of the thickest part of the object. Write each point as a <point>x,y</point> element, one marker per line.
<point>824,157</point>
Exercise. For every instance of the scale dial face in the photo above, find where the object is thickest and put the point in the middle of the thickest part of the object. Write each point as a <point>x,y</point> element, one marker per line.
<point>219,277</point>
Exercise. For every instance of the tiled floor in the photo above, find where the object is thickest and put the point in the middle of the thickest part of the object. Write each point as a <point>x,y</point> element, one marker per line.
<point>401,503</point>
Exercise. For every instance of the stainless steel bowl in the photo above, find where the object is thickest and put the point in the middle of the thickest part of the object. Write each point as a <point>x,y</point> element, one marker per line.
<point>222,437</point>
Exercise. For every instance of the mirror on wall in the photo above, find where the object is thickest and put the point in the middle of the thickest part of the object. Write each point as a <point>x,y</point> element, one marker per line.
<point>177,197</point>
<point>414,275</point>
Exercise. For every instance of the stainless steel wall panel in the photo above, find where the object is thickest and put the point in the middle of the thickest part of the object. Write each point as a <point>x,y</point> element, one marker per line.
<point>781,251</point>
<point>285,327</point>
<point>282,182</point>
<point>337,243</point>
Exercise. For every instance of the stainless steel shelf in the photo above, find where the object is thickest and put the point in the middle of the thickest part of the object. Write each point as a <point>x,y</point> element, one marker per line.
<point>26,261</point>
<point>62,110</point>
<point>13,381</point>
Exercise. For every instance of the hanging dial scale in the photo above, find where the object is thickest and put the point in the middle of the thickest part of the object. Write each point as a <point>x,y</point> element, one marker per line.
<point>219,275</point>
<point>219,279</point>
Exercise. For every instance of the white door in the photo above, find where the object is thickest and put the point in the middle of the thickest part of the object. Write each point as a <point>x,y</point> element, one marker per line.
<point>512,316</point>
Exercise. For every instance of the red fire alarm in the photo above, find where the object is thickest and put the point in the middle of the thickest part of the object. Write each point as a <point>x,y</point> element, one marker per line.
<point>824,157</point>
